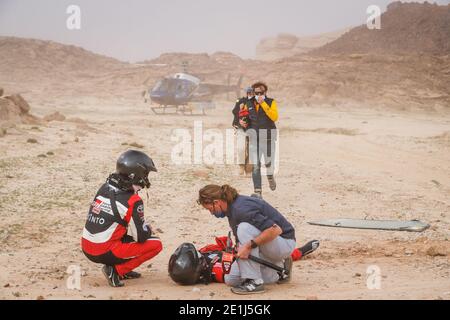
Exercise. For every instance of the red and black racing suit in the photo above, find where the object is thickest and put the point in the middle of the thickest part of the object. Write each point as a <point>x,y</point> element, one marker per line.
<point>213,255</point>
<point>118,235</point>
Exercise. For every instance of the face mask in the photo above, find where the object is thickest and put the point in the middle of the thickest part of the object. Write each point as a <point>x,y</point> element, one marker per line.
<point>218,213</point>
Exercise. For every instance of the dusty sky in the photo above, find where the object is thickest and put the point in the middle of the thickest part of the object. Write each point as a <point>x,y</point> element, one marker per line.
<point>136,30</point>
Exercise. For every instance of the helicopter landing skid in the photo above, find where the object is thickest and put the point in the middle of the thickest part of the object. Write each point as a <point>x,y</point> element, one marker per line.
<point>180,109</point>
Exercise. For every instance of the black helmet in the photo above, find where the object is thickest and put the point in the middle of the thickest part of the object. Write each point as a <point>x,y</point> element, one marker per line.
<point>134,166</point>
<point>187,266</point>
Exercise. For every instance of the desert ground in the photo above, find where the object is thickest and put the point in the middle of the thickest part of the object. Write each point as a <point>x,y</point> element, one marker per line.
<point>353,162</point>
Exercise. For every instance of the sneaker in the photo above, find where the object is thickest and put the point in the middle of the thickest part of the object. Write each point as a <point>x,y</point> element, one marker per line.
<point>257,194</point>
<point>272,182</point>
<point>130,275</point>
<point>249,286</point>
<point>112,276</point>
<point>310,247</point>
<point>286,277</point>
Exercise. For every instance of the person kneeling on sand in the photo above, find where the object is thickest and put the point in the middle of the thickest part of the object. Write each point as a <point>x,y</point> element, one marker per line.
<point>260,230</point>
<point>116,233</point>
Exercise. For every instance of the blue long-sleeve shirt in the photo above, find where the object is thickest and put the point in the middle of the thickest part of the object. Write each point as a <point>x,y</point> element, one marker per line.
<point>258,213</point>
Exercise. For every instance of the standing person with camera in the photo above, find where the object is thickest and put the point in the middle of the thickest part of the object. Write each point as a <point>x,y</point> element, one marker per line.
<point>262,132</point>
<point>240,123</point>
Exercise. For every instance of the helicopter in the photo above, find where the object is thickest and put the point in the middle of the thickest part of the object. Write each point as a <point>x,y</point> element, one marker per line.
<point>181,92</point>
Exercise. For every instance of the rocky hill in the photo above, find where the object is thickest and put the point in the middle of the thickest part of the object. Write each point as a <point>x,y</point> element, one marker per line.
<point>405,28</point>
<point>286,45</point>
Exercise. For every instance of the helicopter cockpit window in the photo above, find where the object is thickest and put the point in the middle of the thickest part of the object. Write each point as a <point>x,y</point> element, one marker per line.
<point>162,85</point>
<point>184,87</point>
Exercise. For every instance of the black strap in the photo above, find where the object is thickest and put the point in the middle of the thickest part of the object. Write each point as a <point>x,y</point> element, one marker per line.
<point>112,200</point>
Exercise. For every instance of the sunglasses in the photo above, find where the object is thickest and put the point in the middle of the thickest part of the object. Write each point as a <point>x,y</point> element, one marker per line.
<point>204,201</point>
<point>259,93</point>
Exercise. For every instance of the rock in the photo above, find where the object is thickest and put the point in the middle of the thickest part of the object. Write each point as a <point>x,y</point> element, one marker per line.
<point>1,91</point>
<point>11,113</point>
<point>55,116</point>
<point>32,140</point>
<point>357,274</point>
<point>312,298</point>
<point>50,153</point>
<point>17,294</point>
<point>2,132</point>
<point>136,145</point>
<point>159,230</point>
<point>6,285</point>
<point>437,183</point>
<point>40,298</point>
<point>409,252</point>
<point>20,102</point>
<point>201,174</point>
<point>76,140</point>
<point>435,251</point>
<point>195,289</point>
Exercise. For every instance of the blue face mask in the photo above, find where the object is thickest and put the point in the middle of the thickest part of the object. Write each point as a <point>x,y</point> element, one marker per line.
<point>218,213</point>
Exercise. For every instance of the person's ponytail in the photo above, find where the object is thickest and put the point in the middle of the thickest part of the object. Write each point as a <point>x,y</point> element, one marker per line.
<point>229,193</point>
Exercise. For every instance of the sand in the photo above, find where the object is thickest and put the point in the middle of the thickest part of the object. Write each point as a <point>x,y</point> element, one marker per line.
<point>351,162</point>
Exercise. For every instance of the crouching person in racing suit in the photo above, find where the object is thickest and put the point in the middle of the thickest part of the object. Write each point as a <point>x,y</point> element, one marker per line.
<point>116,233</point>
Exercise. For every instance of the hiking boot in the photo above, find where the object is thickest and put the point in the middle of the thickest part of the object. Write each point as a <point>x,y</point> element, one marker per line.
<point>272,182</point>
<point>249,286</point>
<point>112,276</point>
<point>285,278</point>
<point>257,194</point>
<point>130,275</point>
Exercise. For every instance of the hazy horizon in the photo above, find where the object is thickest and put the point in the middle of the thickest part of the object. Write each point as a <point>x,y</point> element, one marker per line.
<point>139,30</point>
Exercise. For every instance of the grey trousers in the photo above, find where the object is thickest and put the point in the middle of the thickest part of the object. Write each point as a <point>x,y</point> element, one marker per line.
<point>275,251</point>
